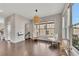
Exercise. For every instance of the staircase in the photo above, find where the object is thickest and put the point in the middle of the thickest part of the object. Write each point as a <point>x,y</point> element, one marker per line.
<point>27,35</point>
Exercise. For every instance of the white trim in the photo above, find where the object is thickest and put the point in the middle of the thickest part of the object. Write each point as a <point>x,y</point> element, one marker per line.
<point>16,41</point>
<point>65,9</point>
<point>74,52</point>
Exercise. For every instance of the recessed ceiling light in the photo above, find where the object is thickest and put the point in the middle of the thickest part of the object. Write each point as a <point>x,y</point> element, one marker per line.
<point>1,11</point>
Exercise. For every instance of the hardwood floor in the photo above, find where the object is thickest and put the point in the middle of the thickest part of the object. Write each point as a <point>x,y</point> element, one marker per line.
<point>27,48</point>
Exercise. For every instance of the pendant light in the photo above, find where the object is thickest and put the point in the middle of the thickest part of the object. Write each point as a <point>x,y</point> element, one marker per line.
<point>36,19</point>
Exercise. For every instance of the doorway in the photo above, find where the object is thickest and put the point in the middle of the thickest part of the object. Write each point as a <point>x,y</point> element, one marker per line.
<point>27,33</point>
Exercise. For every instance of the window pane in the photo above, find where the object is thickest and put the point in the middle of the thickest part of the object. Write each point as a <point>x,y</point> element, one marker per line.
<point>52,25</point>
<point>44,29</point>
<point>48,25</point>
<point>42,26</point>
<point>42,32</point>
<point>75,23</point>
<point>37,26</point>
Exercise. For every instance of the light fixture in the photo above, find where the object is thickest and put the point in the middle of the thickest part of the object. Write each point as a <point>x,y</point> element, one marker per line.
<point>36,19</point>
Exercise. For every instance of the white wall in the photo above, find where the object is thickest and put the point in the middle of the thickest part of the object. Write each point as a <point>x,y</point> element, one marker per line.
<point>9,21</point>
<point>20,22</point>
<point>31,28</point>
<point>17,24</point>
<point>1,22</point>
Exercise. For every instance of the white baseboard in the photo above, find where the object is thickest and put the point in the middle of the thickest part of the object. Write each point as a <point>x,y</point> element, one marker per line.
<point>16,41</point>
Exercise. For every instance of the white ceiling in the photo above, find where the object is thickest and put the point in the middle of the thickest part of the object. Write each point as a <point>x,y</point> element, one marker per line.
<point>28,9</point>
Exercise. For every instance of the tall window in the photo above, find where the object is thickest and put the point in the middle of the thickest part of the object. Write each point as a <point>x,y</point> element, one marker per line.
<point>50,29</point>
<point>75,23</point>
<point>44,29</point>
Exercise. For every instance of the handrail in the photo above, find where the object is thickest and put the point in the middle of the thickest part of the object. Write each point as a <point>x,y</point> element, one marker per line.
<point>28,33</point>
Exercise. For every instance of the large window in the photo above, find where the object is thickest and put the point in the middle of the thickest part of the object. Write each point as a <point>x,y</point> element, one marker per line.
<point>75,23</point>
<point>44,29</point>
<point>50,29</point>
